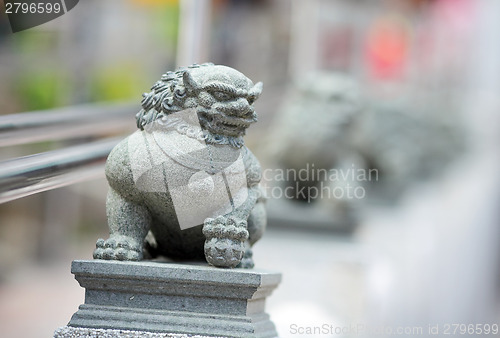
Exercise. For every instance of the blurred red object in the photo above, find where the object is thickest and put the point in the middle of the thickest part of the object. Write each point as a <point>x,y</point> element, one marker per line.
<point>387,47</point>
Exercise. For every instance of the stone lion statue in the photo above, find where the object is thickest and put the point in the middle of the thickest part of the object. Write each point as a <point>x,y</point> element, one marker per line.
<point>184,185</point>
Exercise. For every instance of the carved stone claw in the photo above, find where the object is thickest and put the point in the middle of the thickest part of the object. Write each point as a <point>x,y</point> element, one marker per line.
<point>122,248</point>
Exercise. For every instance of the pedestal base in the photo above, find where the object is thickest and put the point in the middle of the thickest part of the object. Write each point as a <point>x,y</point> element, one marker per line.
<point>174,298</point>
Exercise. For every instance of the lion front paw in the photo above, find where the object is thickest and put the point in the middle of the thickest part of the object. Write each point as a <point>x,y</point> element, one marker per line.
<point>225,241</point>
<point>121,248</point>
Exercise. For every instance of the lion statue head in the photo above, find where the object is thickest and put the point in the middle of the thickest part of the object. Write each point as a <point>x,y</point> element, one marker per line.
<point>222,97</point>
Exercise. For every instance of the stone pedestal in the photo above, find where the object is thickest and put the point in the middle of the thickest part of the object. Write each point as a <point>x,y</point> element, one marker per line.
<point>173,298</point>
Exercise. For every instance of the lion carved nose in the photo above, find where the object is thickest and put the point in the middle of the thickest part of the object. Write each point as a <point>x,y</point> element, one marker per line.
<point>241,108</point>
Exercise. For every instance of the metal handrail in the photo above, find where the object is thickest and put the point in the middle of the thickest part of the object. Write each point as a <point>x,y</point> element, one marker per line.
<point>67,122</point>
<point>24,176</point>
<point>31,174</point>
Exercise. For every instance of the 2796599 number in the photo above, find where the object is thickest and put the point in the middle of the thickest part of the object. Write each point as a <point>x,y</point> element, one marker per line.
<point>469,329</point>
<point>24,7</point>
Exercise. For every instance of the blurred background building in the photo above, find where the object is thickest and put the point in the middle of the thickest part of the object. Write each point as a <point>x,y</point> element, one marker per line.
<point>409,88</point>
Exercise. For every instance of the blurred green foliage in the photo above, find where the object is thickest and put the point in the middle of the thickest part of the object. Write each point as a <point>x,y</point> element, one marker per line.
<point>43,75</point>
<point>36,84</point>
<point>40,89</point>
<point>166,23</point>
<point>120,82</point>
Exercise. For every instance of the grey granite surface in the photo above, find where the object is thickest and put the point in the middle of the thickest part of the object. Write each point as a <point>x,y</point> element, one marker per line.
<point>78,332</point>
<point>174,298</point>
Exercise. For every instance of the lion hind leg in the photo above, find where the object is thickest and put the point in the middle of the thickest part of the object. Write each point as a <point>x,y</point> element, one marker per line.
<point>257,222</point>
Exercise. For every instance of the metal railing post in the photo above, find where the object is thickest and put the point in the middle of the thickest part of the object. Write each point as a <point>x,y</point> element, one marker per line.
<point>194,28</point>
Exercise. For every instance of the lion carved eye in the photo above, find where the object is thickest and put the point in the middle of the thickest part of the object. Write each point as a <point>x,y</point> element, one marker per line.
<point>221,96</point>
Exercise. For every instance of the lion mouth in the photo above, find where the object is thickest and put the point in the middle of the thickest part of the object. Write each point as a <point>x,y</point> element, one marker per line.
<point>235,123</point>
<point>223,123</point>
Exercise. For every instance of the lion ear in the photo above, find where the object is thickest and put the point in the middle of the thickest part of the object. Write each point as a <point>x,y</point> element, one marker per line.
<point>189,82</point>
<point>256,90</point>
